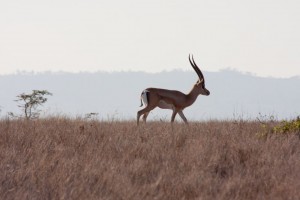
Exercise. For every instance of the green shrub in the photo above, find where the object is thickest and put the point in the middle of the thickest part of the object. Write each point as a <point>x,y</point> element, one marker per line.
<point>271,127</point>
<point>288,126</point>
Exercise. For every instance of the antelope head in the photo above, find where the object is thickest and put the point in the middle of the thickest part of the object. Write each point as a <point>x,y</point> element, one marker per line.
<point>200,84</point>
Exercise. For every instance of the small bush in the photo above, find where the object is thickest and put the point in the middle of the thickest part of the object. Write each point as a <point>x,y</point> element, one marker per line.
<point>288,127</point>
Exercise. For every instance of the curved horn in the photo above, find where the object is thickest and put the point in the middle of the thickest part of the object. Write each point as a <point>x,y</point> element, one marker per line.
<point>196,68</point>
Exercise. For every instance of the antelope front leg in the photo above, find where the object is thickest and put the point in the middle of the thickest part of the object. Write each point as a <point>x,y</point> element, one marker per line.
<point>173,115</point>
<point>182,116</point>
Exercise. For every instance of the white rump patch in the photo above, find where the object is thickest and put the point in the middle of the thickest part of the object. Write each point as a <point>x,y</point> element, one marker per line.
<point>144,97</point>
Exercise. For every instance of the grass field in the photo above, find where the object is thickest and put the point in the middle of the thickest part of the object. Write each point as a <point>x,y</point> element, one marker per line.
<point>61,158</point>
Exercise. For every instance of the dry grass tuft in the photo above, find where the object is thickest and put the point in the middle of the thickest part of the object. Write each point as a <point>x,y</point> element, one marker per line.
<point>60,158</point>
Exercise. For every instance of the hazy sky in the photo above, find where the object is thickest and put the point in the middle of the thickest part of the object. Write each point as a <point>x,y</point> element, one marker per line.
<point>257,36</point>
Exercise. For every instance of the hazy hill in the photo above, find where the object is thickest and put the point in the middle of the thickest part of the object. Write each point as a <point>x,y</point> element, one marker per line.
<point>116,95</point>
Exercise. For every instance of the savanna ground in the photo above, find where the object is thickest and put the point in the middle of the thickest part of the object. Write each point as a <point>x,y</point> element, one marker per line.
<point>61,158</point>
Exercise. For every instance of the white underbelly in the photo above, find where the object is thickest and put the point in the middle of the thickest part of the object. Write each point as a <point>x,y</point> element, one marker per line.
<point>162,104</point>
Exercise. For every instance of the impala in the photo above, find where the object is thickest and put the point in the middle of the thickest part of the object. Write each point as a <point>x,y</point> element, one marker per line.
<point>172,99</point>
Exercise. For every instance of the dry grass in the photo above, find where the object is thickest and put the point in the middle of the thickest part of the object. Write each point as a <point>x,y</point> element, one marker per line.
<point>59,158</point>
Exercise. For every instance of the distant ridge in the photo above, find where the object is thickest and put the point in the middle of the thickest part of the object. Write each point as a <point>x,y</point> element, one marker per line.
<point>116,94</point>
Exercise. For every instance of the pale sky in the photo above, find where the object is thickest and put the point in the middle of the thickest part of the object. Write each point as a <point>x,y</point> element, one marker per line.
<point>257,36</point>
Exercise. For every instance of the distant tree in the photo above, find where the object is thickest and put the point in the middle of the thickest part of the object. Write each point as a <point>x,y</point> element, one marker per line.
<point>29,103</point>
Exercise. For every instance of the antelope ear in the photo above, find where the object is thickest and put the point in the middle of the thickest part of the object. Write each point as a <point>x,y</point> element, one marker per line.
<point>199,82</point>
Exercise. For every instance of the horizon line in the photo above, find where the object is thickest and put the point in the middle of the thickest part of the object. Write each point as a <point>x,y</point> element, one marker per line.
<point>56,72</point>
